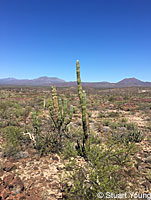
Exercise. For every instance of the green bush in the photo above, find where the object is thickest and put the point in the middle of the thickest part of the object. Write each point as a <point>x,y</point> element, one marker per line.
<point>101,115</point>
<point>113,114</point>
<point>69,150</point>
<point>135,136</point>
<point>124,120</point>
<point>111,98</point>
<point>47,141</point>
<point>113,125</point>
<point>131,126</point>
<point>106,122</point>
<point>12,136</point>
<point>102,172</point>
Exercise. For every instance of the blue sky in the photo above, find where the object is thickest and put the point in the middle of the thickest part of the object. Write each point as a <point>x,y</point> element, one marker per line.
<point>111,38</point>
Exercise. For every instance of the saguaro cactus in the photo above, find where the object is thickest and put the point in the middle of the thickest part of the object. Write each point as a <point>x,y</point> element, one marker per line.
<point>82,98</point>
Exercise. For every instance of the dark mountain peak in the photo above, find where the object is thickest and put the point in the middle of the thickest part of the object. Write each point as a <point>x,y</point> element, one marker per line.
<point>129,82</point>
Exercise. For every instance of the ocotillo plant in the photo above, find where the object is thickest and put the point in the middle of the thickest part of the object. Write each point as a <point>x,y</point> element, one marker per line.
<point>82,98</point>
<point>58,113</point>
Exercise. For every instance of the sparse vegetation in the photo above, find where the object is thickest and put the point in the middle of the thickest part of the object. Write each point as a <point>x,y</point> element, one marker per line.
<point>97,138</point>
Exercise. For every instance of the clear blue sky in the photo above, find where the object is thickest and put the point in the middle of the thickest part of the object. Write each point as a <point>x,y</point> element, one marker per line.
<point>111,38</point>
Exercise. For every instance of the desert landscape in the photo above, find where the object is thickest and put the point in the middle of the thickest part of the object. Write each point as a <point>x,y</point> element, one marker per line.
<point>40,156</point>
<point>75,99</point>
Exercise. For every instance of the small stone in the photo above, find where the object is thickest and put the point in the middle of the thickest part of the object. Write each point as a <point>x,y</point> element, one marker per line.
<point>2,187</point>
<point>24,164</point>
<point>16,186</point>
<point>53,185</point>
<point>148,159</point>
<point>1,173</point>
<point>146,184</point>
<point>8,166</point>
<point>20,197</point>
<point>132,172</point>
<point>11,159</point>
<point>8,179</point>
<point>46,162</point>
<point>59,168</point>
<point>21,154</point>
<point>5,193</point>
<point>35,168</point>
<point>106,129</point>
<point>55,158</point>
<point>11,197</point>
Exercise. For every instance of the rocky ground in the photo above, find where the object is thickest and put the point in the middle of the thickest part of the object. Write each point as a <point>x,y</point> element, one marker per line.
<point>30,177</point>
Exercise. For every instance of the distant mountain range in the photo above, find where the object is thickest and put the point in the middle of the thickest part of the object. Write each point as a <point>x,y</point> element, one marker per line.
<point>49,81</point>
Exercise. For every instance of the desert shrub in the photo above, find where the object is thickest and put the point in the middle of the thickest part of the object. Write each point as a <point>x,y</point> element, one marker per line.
<point>89,114</point>
<point>26,112</point>
<point>128,136</point>
<point>48,141</point>
<point>4,114</point>
<point>101,115</point>
<point>41,140</point>
<point>13,138</point>
<point>5,105</point>
<point>124,120</point>
<point>131,126</point>
<point>69,149</point>
<point>18,112</point>
<point>135,136</point>
<point>106,122</point>
<point>92,137</point>
<point>111,98</point>
<point>102,172</point>
<point>113,114</point>
<point>113,125</point>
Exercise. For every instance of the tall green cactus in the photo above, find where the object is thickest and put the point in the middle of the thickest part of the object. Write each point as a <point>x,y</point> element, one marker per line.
<point>82,98</point>
<point>79,81</point>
